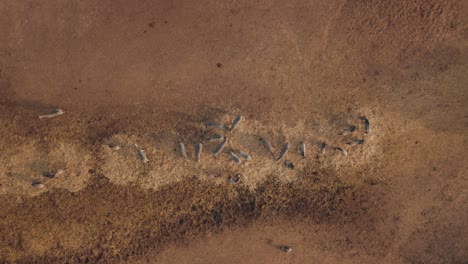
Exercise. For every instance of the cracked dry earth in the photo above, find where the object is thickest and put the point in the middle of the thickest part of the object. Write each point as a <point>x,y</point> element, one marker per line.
<point>155,72</point>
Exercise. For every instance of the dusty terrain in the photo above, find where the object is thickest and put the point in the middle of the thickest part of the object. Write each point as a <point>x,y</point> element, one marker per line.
<point>154,72</point>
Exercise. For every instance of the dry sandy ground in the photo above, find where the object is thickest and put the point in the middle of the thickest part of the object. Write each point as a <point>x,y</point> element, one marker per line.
<point>154,72</point>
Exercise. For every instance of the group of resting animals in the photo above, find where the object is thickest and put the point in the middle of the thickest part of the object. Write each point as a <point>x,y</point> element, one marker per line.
<point>235,155</point>
<point>238,155</point>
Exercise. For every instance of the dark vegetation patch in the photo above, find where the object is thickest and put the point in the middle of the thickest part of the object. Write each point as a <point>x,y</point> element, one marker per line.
<point>121,222</point>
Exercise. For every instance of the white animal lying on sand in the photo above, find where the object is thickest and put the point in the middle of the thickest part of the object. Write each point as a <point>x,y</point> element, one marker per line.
<point>56,112</point>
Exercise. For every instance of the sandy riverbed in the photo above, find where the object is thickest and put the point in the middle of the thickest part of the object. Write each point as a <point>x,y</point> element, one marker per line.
<point>153,73</point>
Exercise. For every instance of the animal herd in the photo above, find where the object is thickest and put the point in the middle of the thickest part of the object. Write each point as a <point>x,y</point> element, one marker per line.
<point>235,154</point>
<point>238,155</point>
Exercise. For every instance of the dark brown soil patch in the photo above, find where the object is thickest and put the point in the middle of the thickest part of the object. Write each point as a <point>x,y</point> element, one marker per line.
<point>125,221</point>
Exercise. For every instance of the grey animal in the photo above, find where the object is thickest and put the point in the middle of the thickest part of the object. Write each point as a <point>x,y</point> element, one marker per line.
<point>244,155</point>
<point>211,124</point>
<point>234,157</point>
<point>220,147</point>
<point>285,249</point>
<point>356,142</point>
<point>183,153</point>
<point>234,179</point>
<point>114,146</point>
<point>283,151</point>
<point>322,147</point>
<point>289,164</point>
<point>37,184</point>
<point>216,137</point>
<point>351,129</point>
<point>366,124</point>
<point>344,152</point>
<point>303,149</point>
<point>141,154</point>
<point>198,151</point>
<point>236,122</point>
<point>268,146</point>
<point>53,174</point>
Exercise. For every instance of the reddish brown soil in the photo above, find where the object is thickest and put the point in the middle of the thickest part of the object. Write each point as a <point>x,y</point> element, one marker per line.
<point>152,70</point>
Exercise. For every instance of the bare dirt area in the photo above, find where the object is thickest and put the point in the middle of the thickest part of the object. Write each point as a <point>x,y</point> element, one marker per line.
<point>155,73</point>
